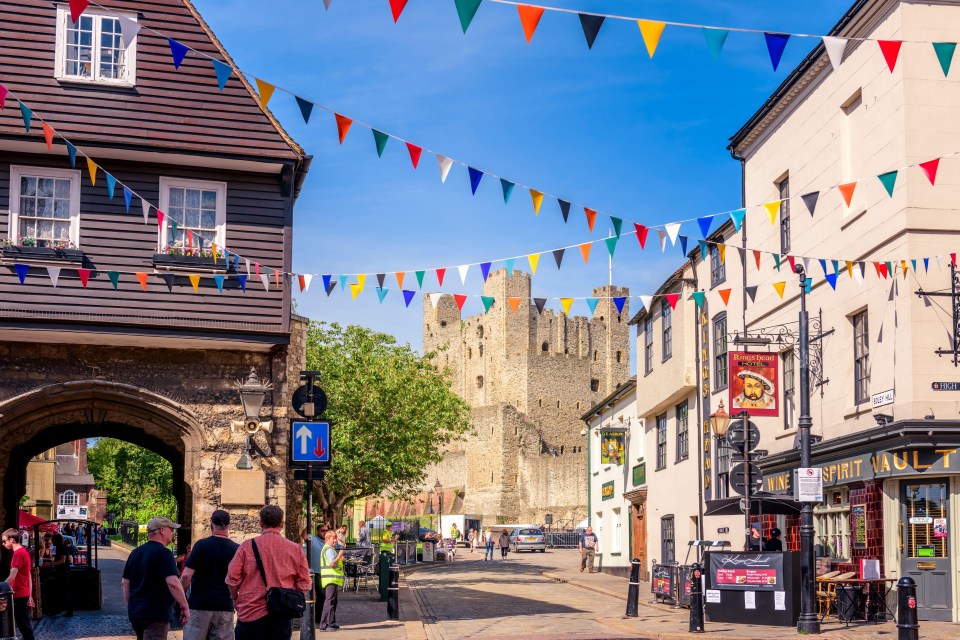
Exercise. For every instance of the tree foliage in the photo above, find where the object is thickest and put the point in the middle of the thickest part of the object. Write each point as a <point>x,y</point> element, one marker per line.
<point>139,483</point>
<point>391,411</point>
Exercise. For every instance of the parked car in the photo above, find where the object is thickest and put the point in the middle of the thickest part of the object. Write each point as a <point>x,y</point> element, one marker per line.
<point>527,539</point>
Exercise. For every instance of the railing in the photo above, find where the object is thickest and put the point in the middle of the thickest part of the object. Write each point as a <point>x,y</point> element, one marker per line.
<point>562,539</point>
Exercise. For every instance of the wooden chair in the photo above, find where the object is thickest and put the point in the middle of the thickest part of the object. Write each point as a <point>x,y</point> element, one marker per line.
<point>827,591</point>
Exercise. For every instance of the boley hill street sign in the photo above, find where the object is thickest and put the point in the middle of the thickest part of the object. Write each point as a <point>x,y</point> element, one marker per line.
<point>904,461</point>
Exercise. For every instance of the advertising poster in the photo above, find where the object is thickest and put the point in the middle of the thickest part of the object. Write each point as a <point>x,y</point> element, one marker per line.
<point>747,571</point>
<point>606,490</point>
<point>753,383</point>
<point>611,446</point>
<point>858,517</point>
<point>939,527</point>
<point>661,582</point>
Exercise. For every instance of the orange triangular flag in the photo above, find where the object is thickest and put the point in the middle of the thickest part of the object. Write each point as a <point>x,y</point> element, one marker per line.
<point>195,281</point>
<point>514,304</point>
<point>566,302</point>
<point>537,198</point>
<point>724,295</point>
<point>265,89</point>
<point>591,217</point>
<point>756,256</point>
<point>651,32</point>
<point>529,18</point>
<point>400,276</point>
<point>142,277</point>
<point>92,168</point>
<point>780,286</point>
<point>343,125</point>
<point>849,268</point>
<point>48,134</point>
<point>585,251</point>
<point>722,248</point>
<point>772,209</point>
<point>846,190</point>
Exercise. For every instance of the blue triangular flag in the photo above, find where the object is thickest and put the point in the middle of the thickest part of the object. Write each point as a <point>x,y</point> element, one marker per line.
<point>475,176</point>
<point>236,262</point>
<point>926,265</point>
<point>823,265</point>
<point>832,279</point>
<point>776,43</point>
<point>22,271</point>
<point>591,27</point>
<point>564,209</point>
<point>72,152</point>
<point>408,296</point>
<point>737,218</point>
<point>343,282</point>
<point>223,71</point>
<point>127,197</point>
<point>485,270</point>
<point>683,244</point>
<point>507,187</point>
<point>508,264</point>
<point>326,283</point>
<point>382,293</point>
<point>620,301</point>
<point>219,280</point>
<point>808,284</point>
<point>913,263</point>
<point>592,303</point>
<point>704,249</point>
<point>705,223</point>
<point>306,108</point>
<point>242,279</point>
<point>715,39</point>
<point>836,266</point>
<point>111,184</point>
<point>27,115</point>
<point>178,50</point>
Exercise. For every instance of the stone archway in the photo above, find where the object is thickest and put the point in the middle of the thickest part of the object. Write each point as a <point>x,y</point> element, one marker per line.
<point>49,415</point>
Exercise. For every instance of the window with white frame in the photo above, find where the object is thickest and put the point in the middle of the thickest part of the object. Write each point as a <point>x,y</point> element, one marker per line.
<point>861,358</point>
<point>69,498</point>
<point>196,215</point>
<point>723,468</point>
<point>662,441</point>
<point>44,207</point>
<point>667,319</point>
<point>648,344</point>
<point>832,525</point>
<point>720,365</point>
<point>91,49</point>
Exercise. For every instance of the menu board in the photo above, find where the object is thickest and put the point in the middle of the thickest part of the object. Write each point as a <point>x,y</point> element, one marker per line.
<point>858,517</point>
<point>747,571</point>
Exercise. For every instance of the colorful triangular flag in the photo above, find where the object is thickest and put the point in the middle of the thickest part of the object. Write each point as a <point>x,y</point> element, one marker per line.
<point>223,71</point>
<point>380,140</point>
<point>558,256</point>
<point>835,48</point>
<point>463,269</point>
<point>591,27</point>
<point>505,185</point>
<point>944,51</point>
<point>846,190</point>
<point>592,304</point>
<point>724,295</point>
<point>460,299</point>
<point>715,39</point>
<point>408,297</point>
<point>698,297</point>
<point>641,234</point>
<point>737,217</point>
<point>485,270</point>
<point>619,301</point>
<point>382,293</point>
<point>529,19</point>
<point>810,200</point>
<point>514,303</point>
<point>487,303</point>
<point>672,229</point>
<point>929,169</point>
<point>343,126</point>
<point>890,50</point>
<point>540,303</point>
<point>534,259</point>
<point>611,244</point>
<point>564,209</point>
<point>466,10</point>
<point>672,298</point>
<point>27,114</point>
<point>306,108</point>
<point>111,184</point>
<point>265,91</point>
<point>591,217</point>
<point>585,251</point>
<point>705,223</point>
<point>115,278</point>
<point>537,198</point>
<point>77,7</point>
<point>396,7</point>
<point>772,209</point>
<point>780,286</point>
<point>54,273</point>
<point>48,134</point>
<point>647,302</point>
<point>178,50</point>
<point>888,180</point>
<point>776,43</point>
<point>475,176</point>
<point>415,152</point>
<point>445,165</point>
<point>651,31</point>
<point>566,303</point>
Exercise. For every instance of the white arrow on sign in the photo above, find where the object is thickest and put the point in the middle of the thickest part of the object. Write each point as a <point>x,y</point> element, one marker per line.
<point>304,434</point>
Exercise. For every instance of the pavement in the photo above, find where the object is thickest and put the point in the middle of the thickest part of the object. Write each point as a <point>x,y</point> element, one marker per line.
<point>542,596</point>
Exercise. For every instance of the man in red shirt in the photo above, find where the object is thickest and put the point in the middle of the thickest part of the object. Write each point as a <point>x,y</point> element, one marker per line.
<point>21,580</point>
<point>284,564</point>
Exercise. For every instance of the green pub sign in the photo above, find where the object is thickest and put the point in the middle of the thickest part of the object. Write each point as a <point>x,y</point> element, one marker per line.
<point>606,490</point>
<point>640,474</point>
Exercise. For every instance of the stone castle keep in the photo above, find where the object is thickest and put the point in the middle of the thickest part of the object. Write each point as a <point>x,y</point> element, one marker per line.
<point>528,376</point>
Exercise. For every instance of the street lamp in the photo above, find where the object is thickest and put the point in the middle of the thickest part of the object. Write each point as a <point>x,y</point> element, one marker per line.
<point>430,502</point>
<point>439,490</point>
<point>252,390</point>
<point>719,421</point>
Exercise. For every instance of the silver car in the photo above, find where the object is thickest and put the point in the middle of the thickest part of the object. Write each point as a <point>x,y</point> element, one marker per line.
<point>527,540</point>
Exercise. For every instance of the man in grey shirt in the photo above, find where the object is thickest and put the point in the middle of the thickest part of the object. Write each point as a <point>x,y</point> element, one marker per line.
<point>363,536</point>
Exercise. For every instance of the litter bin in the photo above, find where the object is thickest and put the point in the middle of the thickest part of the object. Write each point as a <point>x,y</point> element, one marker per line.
<point>848,602</point>
<point>7,631</point>
<point>386,559</point>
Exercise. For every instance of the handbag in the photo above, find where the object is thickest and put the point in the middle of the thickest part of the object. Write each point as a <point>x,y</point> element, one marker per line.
<point>281,601</point>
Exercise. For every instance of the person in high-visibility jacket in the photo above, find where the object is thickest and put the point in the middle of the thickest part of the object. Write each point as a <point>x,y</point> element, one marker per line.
<point>331,577</point>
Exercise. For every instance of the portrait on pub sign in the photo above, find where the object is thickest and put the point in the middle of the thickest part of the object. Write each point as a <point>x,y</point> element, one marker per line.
<point>753,383</point>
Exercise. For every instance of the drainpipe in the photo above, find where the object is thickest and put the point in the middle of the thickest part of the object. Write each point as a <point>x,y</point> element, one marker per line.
<point>696,344</point>
<point>743,230</point>
<point>589,475</point>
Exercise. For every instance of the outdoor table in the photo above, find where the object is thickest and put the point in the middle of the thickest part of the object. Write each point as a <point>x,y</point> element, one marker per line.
<point>350,567</point>
<point>875,589</point>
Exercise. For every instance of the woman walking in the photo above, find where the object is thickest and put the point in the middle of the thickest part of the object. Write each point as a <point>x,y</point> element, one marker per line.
<point>472,539</point>
<point>504,544</point>
<point>488,540</point>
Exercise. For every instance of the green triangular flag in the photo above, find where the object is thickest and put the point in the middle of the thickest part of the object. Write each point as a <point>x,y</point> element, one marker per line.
<point>466,9</point>
<point>776,258</point>
<point>888,180</point>
<point>115,277</point>
<point>420,279</point>
<point>617,224</point>
<point>944,51</point>
<point>381,140</point>
<point>487,303</point>
<point>698,297</point>
<point>611,244</point>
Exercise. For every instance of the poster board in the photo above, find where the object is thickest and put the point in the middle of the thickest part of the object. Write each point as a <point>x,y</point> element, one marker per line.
<point>611,446</point>
<point>858,525</point>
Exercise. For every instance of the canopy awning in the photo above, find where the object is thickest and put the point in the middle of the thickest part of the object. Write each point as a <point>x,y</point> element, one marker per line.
<point>27,520</point>
<point>775,505</point>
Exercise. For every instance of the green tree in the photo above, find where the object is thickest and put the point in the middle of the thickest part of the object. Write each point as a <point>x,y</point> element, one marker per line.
<point>138,482</point>
<point>392,413</point>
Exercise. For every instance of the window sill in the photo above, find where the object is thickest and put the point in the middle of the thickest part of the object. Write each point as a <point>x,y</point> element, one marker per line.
<point>89,82</point>
<point>166,262</point>
<point>661,468</point>
<point>679,460</point>
<point>857,410</point>
<point>786,434</point>
<point>851,219</point>
<point>666,359</point>
<point>41,256</point>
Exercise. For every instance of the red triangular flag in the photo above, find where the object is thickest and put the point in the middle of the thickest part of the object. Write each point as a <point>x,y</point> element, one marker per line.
<point>142,277</point>
<point>846,190</point>
<point>460,299</point>
<point>641,235</point>
<point>76,8</point>
<point>84,275</point>
<point>793,264</point>
<point>414,154</point>
<point>440,273</point>
<point>930,169</point>
<point>883,269</point>
<point>724,295</point>
<point>672,299</point>
<point>396,6</point>
<point>160,215</point>
<point>953,259</point>
<point>343,125</point>
<point>529,18</point>
<point>756,256</point>
<point>890,50</point>
<point>591,217</point>
<point>48,134</point>
<point>302,283</point>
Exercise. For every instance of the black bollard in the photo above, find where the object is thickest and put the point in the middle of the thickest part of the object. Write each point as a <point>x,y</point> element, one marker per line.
<point>696,598</point>
<point>633,591</point>
<point>393,593</point>
<point>908,627</point>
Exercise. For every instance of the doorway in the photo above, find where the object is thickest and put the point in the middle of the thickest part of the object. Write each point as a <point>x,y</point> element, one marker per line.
<point>638,537</point>
<point>925,545</point>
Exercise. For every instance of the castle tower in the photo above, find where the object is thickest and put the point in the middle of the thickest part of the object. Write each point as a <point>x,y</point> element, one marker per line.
<point>609,327</point>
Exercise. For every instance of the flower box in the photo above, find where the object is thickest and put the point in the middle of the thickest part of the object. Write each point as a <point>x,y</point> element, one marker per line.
<point>172,262</point>
<point>17,254</point>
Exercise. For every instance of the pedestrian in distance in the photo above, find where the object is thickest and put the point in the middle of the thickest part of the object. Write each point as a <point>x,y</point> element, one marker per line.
<point>316,545</point>
<point>488,540</point>
<point>331,579</point>
<point>363,537</point>
<point>342,538</point>
<point>284,565</point>
<point>504,544</point>
<point>151,583</point>
<point>589,545</point>
<point>204,573</point>
<point>756,540</point>
<point>59,551</point>
<point>774,543</point>
<point>21,581</point>
<point>472,539</point>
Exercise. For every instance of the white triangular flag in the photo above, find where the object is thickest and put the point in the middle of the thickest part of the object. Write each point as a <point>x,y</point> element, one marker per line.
<point>435,299</point>
<point>128,30</point>
<point>673,228</point>
<point>445,164</point>
<point>858,276</point>
<point>307,277</point>
<point>835,47</point>
<point>463,273</point>
<point>265,279</point>
<point>647,301</point>
<point>663,239</point>
<point>939,264</point>
<point>247,260</point>
<point>146,210</point>
<point>806,266</point>
<point>54,273</point>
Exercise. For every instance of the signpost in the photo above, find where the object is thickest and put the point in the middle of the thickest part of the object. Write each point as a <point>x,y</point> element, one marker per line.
<point>745,478</point>
<point>310,444</point>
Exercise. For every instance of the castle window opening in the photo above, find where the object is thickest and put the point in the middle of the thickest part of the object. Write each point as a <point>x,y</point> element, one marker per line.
<point>443,323</point>
<point>480,350</point>
<point>541,403</point>
<point>619,356</point>
<point>561,449</point>
<point>469,353</point>
<point>558,404</point>
<point>567,351</point>
<point>544,347</point>
<point>479,382</point>
<point>516,430</point>
<point>480,331</point>
<point>578,406</point>
<point>601,318</point>
<point>594,385</point>
<point>491,476</point>
<point>595,354</point>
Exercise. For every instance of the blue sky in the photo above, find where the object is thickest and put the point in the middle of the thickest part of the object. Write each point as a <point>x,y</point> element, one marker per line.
<point>608,127</point>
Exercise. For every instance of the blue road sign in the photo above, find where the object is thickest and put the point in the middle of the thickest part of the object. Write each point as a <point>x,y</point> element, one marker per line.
<point>310,442</point>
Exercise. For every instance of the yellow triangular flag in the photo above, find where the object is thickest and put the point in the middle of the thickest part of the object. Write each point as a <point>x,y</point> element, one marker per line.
<point>534,259</point>
<point>537,200</point>
<point>772,208</point>
<point>265,89</point>
<point>362,280</point>
<point>195,281</point>
<point>92,168</point>
<point>651,32</point>
<point>566,302</point>
<point>780,286</point>
<point>214,248</point>
<point>722,248</point>
<point>903,265</point>
<point>355,289</point>
<point>849,268</point>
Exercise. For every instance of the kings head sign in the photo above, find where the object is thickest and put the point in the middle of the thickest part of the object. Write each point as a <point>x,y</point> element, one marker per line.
<point>753,383</point>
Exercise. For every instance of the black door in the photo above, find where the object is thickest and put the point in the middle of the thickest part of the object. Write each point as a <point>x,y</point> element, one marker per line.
<point>926,548</point>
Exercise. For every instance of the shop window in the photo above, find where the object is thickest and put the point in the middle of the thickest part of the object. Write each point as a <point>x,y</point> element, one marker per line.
<point>831,522</point>
<point>926,504</point>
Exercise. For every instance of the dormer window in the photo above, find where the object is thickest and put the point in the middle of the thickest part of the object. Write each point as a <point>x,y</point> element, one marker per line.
<point>91,49</point>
